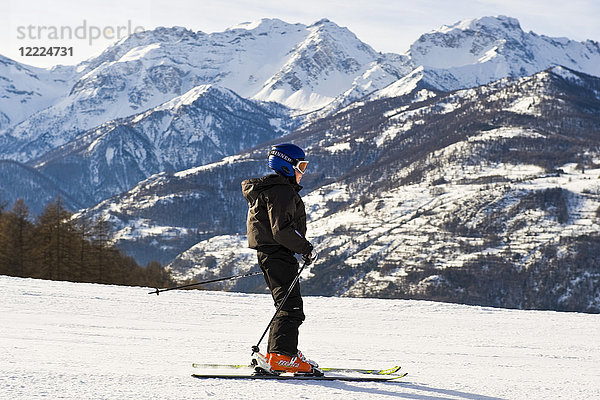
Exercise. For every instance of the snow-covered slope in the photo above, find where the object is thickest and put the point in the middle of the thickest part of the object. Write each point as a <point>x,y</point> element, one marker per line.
<point>72,341</point>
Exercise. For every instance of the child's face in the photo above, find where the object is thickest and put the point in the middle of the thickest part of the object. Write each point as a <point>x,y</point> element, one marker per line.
<point>298,176</point>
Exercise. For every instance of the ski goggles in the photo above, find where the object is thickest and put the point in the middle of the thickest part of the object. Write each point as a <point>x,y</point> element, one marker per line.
<point>299,165</point>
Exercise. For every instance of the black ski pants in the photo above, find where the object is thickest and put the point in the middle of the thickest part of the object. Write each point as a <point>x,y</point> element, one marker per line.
<point>280,267</point>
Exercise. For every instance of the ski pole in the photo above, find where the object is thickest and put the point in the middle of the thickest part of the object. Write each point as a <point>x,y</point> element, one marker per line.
<point>158,291</point>
<point>255,349</point>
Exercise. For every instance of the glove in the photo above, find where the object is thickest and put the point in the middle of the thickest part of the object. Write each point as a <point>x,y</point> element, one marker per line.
<point>309,256</point>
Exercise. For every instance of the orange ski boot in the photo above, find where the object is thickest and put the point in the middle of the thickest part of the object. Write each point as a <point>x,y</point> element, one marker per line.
<point>291,364</point>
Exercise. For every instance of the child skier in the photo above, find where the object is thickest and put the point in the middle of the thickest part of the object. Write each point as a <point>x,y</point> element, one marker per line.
<point>276,227</point>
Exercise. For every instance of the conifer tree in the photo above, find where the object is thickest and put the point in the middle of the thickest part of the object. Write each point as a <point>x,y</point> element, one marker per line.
<point>52,228</point>
<point>15,237</point>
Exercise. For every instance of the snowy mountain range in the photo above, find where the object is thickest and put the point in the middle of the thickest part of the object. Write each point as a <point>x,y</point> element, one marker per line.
<point>473,149</point>
<point>412,196</point>
<point>320,68</point>
<point>308,68</point>
<point>303,67</point>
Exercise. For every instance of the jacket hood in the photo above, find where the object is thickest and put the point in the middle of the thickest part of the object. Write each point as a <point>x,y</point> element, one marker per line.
<point>251,188</point>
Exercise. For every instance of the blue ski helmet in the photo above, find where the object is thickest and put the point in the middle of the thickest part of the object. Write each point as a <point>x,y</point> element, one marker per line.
<point>283,157</point>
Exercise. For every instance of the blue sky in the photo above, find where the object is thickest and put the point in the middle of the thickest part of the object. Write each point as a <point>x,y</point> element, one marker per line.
<point>388,26</point>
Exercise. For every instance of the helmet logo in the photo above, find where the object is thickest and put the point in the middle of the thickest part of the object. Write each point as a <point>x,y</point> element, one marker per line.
<point>281,155</point>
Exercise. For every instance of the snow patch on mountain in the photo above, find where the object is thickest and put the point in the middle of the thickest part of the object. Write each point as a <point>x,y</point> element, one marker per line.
<point>188,98</point>
<point>525,105</point>
<point>138,53</point>
<point>402,86</point>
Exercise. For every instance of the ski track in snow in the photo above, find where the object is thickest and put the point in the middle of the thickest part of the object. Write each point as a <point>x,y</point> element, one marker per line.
<point>85,341</point>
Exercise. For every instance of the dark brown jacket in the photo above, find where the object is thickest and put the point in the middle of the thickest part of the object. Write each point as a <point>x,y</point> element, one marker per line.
<point>276,214</point>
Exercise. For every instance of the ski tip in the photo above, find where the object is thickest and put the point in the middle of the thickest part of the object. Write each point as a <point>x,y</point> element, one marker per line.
<point>402,375</point>
<point>390,371</point>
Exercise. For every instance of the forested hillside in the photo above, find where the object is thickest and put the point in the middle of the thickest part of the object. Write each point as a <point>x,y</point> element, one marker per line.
<point>54,246</point>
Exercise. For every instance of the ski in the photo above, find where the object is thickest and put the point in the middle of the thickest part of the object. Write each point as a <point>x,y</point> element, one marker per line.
<point>389,371</point>
<point>345,378</point>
